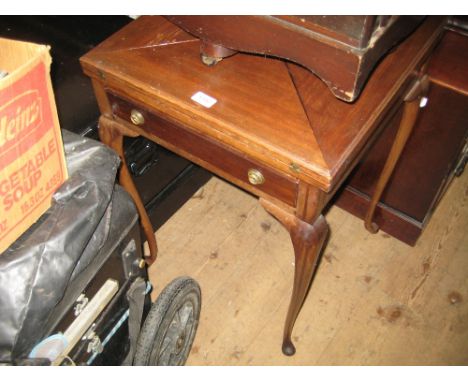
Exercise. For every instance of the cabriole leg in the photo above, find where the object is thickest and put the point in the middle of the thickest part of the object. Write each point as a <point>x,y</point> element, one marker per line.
<point>307,241</point>
<point>111,135</point>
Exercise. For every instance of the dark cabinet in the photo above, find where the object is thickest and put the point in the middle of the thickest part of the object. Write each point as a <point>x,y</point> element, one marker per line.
<point>433,154</point>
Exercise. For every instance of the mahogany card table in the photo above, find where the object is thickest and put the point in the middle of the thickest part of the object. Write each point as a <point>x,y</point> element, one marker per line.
<point>267,125</point>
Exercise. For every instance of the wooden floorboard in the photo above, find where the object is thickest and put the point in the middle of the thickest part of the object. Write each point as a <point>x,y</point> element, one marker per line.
<point>374,300</point>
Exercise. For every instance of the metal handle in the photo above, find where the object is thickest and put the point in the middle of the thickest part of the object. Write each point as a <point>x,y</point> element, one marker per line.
<point>255,177</point>
<point>137,118</point>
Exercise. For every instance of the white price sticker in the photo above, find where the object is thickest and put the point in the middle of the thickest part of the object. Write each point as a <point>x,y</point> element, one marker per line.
<point>204,99</point>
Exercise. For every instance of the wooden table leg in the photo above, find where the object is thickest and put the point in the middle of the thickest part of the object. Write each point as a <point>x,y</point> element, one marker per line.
<point>410,114</point>
<point>112,135</point>
<point>307,239</point>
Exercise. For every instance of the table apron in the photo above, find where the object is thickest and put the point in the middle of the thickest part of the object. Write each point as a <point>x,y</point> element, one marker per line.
<point>220,159</point>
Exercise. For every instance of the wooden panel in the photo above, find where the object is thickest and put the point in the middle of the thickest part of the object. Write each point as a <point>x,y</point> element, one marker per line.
<point>353,30</point>
<point>448,65</point>
<point>430,154</point>
<point>221,160</point>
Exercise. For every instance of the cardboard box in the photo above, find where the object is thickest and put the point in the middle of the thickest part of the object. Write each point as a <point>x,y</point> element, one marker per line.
<point>32,162</point>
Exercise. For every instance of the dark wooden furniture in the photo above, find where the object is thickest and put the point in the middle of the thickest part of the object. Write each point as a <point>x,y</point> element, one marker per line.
<point>275,130</point>
<point>341,50</point>
<point>435,151</point>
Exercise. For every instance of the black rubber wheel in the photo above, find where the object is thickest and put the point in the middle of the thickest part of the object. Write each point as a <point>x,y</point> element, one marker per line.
<point>170,326</point>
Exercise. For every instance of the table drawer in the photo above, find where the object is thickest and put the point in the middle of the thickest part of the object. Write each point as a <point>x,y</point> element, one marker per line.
<point>220,159</point>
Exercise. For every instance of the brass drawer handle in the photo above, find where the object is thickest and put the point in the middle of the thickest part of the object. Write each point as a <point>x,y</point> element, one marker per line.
<point>255,177</point>
<point>137,118</point>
